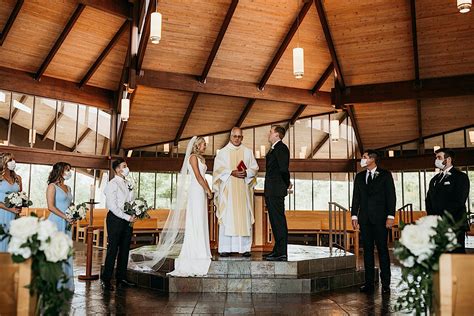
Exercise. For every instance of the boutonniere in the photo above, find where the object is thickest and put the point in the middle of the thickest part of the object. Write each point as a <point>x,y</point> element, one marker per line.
<point>376,173</point>
<point>130,185</point>
<point>448,174</point>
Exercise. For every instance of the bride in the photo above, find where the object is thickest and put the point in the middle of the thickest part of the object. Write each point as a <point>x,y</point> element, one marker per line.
<point>186,230</point>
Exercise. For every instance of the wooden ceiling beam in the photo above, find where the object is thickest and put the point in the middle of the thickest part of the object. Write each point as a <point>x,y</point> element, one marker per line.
<point>234,88</point>
<point>16,110</point>
<point>323,79</point>
<point>408,90</point>
<point>329,41</point>
<point>296,115</point>
<point>104,54</point>
<point>355,126</point>
<point>245,112</point>
<point>286,41</point>
<point>218,41</point>
<point>116,7</point>
<point>81,138</point>
<point>70,24</point>
<point>325,139</point>
<point>145,37</point>
<point>10,21</point>
<point>189,110</point>
<point>53,122</point>
<point>48,87</point>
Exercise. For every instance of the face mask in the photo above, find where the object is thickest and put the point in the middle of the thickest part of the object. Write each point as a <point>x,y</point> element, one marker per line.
<point>67,175</point>
<point>11,165</point>
<point>125,171</point>
<point>363,162</point>
<point>439,164</point>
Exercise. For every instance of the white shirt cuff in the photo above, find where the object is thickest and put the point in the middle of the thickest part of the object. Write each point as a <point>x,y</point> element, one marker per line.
<point>390,217</point>
<point>354,217</point>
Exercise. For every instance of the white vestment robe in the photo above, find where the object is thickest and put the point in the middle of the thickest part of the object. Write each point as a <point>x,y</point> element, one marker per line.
<point>234,198</point>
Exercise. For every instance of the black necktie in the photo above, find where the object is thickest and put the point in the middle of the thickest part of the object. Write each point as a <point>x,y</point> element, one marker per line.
<point>369,178</point>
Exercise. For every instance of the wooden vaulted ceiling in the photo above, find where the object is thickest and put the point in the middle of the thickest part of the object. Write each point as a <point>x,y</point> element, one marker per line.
<point>84,44</point>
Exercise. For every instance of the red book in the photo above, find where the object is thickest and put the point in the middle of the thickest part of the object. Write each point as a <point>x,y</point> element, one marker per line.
<point>241,166</point>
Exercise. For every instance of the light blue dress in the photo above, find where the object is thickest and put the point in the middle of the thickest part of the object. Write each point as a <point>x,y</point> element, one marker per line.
<point>62,201</point>
<point>5,216</point>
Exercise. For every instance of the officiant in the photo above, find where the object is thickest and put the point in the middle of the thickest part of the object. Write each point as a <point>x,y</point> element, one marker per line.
<point>234,179</point>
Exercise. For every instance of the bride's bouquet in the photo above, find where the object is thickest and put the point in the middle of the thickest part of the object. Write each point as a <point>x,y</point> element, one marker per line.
<point>17,199</point>
<point>138,207</point>
<point>76,212</point>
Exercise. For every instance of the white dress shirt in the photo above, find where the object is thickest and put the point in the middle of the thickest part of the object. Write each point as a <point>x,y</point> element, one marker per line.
<point>117,192</point>
<point>371,173</point>
<point>273,146</point>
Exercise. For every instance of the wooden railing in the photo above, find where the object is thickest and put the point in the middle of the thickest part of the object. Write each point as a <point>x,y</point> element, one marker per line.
<point>403,214</point>
<point>338,235</point>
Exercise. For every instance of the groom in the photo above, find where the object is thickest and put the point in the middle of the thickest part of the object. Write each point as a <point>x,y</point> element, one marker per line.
<point>277,184</point>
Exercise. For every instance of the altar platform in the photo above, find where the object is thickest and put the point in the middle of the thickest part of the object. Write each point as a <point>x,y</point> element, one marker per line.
<point>309,269</point>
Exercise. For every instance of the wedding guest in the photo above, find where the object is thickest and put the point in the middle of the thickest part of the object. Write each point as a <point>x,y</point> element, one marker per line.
<point>59,198</point>
<point>9,182</point>
<point>448,192</point>
<point>119,231</point>
<point>373,208</point>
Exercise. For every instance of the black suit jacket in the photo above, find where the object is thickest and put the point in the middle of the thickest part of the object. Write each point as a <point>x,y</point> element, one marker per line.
<point>449,195</point>
<point>374,202</point>
<point>277,175</point>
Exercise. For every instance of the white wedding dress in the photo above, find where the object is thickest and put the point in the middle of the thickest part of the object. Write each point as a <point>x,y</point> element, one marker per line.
<point>195,256</point>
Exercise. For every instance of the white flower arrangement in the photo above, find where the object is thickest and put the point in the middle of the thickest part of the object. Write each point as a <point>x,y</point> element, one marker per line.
<point>76,212</point>
<point>138,208</point>
<point>40,240</point>
<point>418,250</point>
<point>17,199</point>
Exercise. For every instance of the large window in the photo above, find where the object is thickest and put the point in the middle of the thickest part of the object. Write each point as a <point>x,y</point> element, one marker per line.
<point>411,189</point>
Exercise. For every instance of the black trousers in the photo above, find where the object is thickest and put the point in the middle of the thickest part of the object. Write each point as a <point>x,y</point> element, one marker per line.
<point>118,242</point>
<point>461,236</point>
<point>375,234</point>
<point>276,212</point>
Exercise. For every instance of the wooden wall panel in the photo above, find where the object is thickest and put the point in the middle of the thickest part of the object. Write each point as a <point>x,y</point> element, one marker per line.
<point>382,124</point>
<point>108,74</point>
<point>316,55</point>
<point>373,40</point>
<point>253,37</point>
<point>189,31</point>
<point>446,114</point>
<point>90,35</point>
<point>155,116</point>
<point>213,113</point>
<point>269,111</point>
<point>445,40</point>
<point>37,26</point>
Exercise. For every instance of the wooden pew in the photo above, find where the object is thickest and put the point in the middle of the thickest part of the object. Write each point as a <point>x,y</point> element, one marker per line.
<point>98,223</point>
<point>15,298</point>
<point>452,286</point>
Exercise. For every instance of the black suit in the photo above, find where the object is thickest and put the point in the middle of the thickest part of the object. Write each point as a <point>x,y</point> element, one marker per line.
<point>277,181</point>
<point>372,203</point>
<point>449,192</point>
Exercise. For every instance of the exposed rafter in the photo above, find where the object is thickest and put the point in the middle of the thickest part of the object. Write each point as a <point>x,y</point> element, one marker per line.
<point>70,24</point>
<point>323,79</point>
<point>326,138</point>
<point>329,41</point>
<point>116,7</point>
<point>189,110</point>
<point>235,88</point>
<point>355,126</point>
<point>408,90</point>
<point>296,115</point>
<point>284,45</point>
<point>217,43</point>
<point>104,54</point>
<point>53,122</point>
<point>81,138</point>
<point>16,110</point>
<point>10,21</point>
<point>245,112</point>
<point>145,36</point>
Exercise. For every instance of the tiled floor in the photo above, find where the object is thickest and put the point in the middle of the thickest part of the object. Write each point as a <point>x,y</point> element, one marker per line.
<point>89,299</point>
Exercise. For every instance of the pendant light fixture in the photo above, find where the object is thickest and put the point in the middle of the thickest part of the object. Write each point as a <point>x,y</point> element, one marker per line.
<point>464,6</point>
<point>298,54</point>
<point>125,105</point>
<point>334,130</point>
<point>155,26</point>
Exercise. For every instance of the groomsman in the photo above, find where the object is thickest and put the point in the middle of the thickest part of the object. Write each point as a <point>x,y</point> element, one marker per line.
<point>119,231</point>
<point>448,192</point>
<point>277,184</point>
<point>373,209</point>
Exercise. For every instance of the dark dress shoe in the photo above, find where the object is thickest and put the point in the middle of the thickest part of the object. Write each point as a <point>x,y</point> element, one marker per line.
<point>224,254</point>
<point>366,289</point>
<point>277,258</point>
<point>107,286</point>
<point>247,254</point>
<point>125,283</point>
<point>385,289</point>
<point>269,254</point>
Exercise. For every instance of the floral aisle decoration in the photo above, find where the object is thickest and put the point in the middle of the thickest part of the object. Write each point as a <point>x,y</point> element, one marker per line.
<point>39,239</point>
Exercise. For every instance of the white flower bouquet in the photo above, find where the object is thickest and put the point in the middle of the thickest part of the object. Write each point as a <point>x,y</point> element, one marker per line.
<point>76,212</point>
<point>418,250</point>
<point>40,240</point>
<point>138,208</point>
<point>17,199</point>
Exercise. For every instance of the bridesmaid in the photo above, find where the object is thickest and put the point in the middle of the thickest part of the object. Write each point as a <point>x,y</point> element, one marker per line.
<point>9,182</point>
<point>59,198</point>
